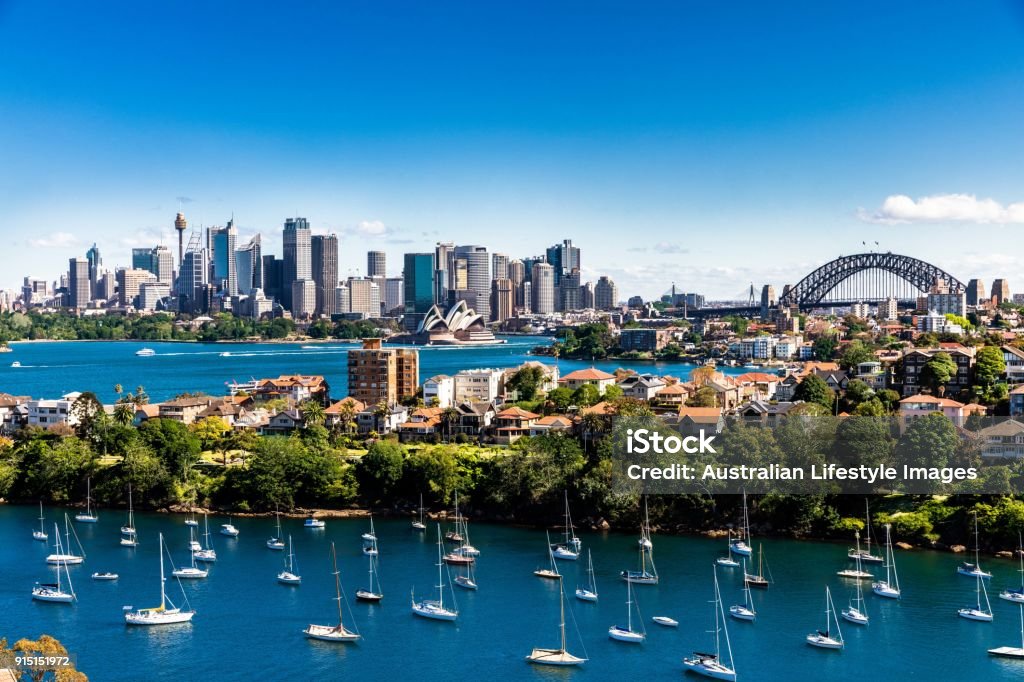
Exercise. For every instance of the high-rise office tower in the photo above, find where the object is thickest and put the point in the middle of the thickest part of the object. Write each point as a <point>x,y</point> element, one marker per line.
<point>587,296</point>
<point>499,266</point>
<point>297,252</point>
<point>376,264</point>
<point>325,271</point>
<point>95,267</point>
<point>503,300</point>
<point>478,275</point>
<point>273,278</point>
<point>976,292</point>
<point>394,295</point>
<point>606,294</point>
<point>78,283</point>
<point>543,288</point>
<point>442,279</point>
<point>517,273</point>
<point>1001,291</point>
<point>564,258</point>
<point>129,283</point>
<point>418,282</point>
<point>142,259</point>
<point>222,243</point>
<point>363,296</point>
<point>163,265</point>
<point>192,284</point>
<point>249,266</point>
<point>569,292</point>
<point>303,298</point>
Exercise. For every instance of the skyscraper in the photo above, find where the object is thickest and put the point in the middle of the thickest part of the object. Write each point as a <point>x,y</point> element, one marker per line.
<point>606,294</point>
<point>249,266</point>
<point>222,242</point>
<point>517,273</point>
<point>192,279</point>
<point>78,283</point>
<point>95,266</point>
<point>442,277</point>
<point>142,259</point>
<point>303,298</point>
<point>418,282</point>
<point>499,266</point>
<point>273,278</point>
<point>975,292</point>
<point>503,299</point>
<point>1001,291</point>
<point>543,288</point>
<point>325,271</point>
<point>478,276</point>
<point>298,261</point>
<point>163,265</point>
<point>363,296</point>
<point>394,295</point>
<point>564,258</point>
<point>569,292</point>
<point>376,264</point>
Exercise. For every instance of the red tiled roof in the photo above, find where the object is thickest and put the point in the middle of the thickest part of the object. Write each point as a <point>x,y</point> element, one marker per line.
<point>591,374</point>
<point>516,412</point>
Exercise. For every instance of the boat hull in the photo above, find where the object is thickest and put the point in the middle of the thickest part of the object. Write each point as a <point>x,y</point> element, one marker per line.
<point>85,518</point>
<point>883,589</point>
<point>824,642</point>
<point>289,578</point>
<point>586,595</point>
<point>855,616</point>
<point>171,617</point>
<point>1015,596</point>
<point>1008,652</point>
<point>61,559</point>
<point>52,596</point>
<point>548,574</point>
<point>331,633</point>
<point>715,671</point>
<point>366,595</point>
<point>189,574</point>
<point>740,612</point>
<point>624,635</point>
<point>975,614</point>
<point>104,576</point>
<point>638,578</point>
<point>666,621</point>
<point>565,554</point>
<point>433,612</point>
<point>553,657</point>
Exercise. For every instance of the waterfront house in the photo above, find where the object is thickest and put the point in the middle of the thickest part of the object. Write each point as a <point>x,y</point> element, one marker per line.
<point>1003,440</point>
<point>551,423</point>
<point>549,374</point>
<point>914,360</point>
<point>424,424</point>
<point>641,386</point>
<point>479,385</point>
<point>674,395</point>
<point>46,413</point>
<point>758,385</point>
<point>474,418</point>
<point>146,412</point>
<point>1014,359</point>
<point>13,411</point>
<point>786,387</point>
<point>837,380</point>
<point>922,405</point>
<point>512,423</point>
<point>336,414</point>
<point>691,420</point>
<point>185,409</point>
<point>296,388</point>
<point>765,413</point>
<point>370,420</point>
<point>283,423</point>
<point>595,377</point>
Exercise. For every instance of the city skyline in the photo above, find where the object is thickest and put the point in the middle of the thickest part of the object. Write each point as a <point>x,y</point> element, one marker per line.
<point>676,155</point>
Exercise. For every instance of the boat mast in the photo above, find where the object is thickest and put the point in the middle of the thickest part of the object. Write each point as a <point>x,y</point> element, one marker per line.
<point>561,614</point>
<point>440,585</point>
<point>337,585</point>
<point>163,592</point>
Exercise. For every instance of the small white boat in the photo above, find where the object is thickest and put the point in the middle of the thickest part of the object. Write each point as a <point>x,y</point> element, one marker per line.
<point>418,523</point>
<point>565,553</point>
<point>569,549</point>
<point>63,554</point>
<point>974,570</point>
<point>40,534</point>
<point>228,530</point>
<point>466,582</point>
<point>87,516</point>
<point>15,364</point>
<point>159,615</point>
<point>207,554</point>
<point>741,545</point>
<point>588,593</point>
<point>856,612</point>
<point>560,656</point>
<point>646,545</point>
<point>145,352</point>
<point>55,592</point>
<point>976,612</point>
<point>825,639</point>
<point>727,561</point>
<point>435,608</point>
<point>333,633</point>
<point>711,664</point>
<point>106,575</point>
<point>129,541</point>
<point>225,354</point>
<point>289,576</point>
<point>628,634</point>
<point>192,572</point>
<point>1012,651</point>
<point>276,543</point>
<point>128,530</point>
<point>315,524</point>
<point>552,572</point>
<point>890,587</point>
<point>191,521</point>
<point>865,555</point>
<point>666,621</point>
<point>1011,594</point>
<point>744,611</point>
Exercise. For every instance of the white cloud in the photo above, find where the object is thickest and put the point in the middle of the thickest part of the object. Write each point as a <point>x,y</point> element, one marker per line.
<point>942,208</point>
<point>55,240</point>
<point>371,228</point>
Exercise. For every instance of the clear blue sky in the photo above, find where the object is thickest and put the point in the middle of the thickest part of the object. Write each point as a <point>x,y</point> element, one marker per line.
<point>708,143</point>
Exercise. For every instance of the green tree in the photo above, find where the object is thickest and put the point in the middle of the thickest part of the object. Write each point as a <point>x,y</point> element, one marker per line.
<point>313,413</point>
<point>855,353</point>
<point>380,470</point>
<point>813,389</point>
<point>526,381</point>
<point>937,372</point>
<point>989,366</point>
<point>825,346</point>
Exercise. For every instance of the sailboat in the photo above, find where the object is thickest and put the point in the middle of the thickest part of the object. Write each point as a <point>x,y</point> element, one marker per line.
<point>1012,651</point>
<point>465,549</point>
<point>190,520</point>
<point>289,576</point>
<point>560,656</point>
<point>193,544</point>
<point>857,572</point>
<point>418,523</point>
<point>741,545</point>
<point>41,533</point>
<point>550,573</point>
<point>966,567</point>
<point>643,576</point>
<point>856,611</point>
<point>712,665</point>
<point>160,615</point>
<point>129,538</point>
<point>628,634</point>
<point>435,608</point>
<point>466,579</point>
<point>228,529</point>
<point>191,572</point>
<point>454,535</point>
<point>370,593</point>
<point>370,535</point>
<point>207,553</point>
<point>824,639</point>
<point>276,543</point>
<point>758,580</point>
<point>976,612</point>
<point>569,549</point>
<point>87,516</point>
<point>333,633</point>
<point>370,546</point>
<point>588,593</point>
<point>727,560</point>
<point>55,592</point>
<point>890,587</point>
<point>63,554</point>
<point>645,530</point>
<point>865,555</point>
<point>1016,594</point>
<point>744,611</point>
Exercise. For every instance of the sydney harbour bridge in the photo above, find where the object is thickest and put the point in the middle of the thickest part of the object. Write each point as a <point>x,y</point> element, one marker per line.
<point>862,277</point>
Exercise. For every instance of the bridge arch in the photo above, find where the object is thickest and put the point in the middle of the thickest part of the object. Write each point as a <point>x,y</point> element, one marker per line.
<point>816,286</point>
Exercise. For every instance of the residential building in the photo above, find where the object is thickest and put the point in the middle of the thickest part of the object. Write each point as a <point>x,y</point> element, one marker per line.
<point>542,285</point>
<point>1001,291</point>
<point>298,257</point>
<point>947,303</point>
<point>551,423</point>
<point>693,420</point>
<point>342,414</point>
<point>914,360</point>
<point>295,388</point>
<point>46,413</point>
<point>976,292</point>
<point>185,410</point>
<point>888,309</point>
<point>479,385</point>
<point>1017,402</point>
<point>1014,359</point>
<point>606,294</point>
<point>860,309</point>
<point>324,258</point>
<point>512,423</point>
<point>377,374</point>
<point>1003,440</point>
<point>641,386</point>
<point>595,377</point>
<point>439,390</point>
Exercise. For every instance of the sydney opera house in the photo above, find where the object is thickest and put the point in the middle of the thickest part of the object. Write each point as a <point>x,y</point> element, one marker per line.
<point>460,326</point>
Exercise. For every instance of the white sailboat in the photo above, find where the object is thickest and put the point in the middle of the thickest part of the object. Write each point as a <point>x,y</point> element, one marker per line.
<point>191,572</point>
<point>1012,651</point>
<point>826,639</point>
<point>856,611</point>
<point>207,553</point>
<point>890,587</point>
<point>642,576</point>
<point>160,615</point>
<point>466,578</point>
<point>40,534</point>
<point>865,555</point>
<point>549,573</point>
<point>465,548</point>
<point>193,544</point>
<point>628,634</point>
<point>190,520</point>
<point>370,542</point>
<point>569,549</point>
<point>435,608</point>
<point>744,611</point>
<point>314,523</point>
<point>370,535</point>
<point>974,570</point>
<point>372,593</point>
<point>333,633</point>
<point>646,543</point>
<point>454,535</point>
<point>741,545</point>
<point>711,664</point>
<point>289,576</point>
<point>758,579</point>
<point>976,612</point>
<point>418,523</point>
<point>588,593</point>
<point>560,656</point>
<point>228,529</point>
<point>857,572</point>
<point>64,555</point>
<point>727,561</point>
<point>87,516</point>
<point>1016,594</point>
<point>276,543</point>
<point>129,538</point>
<point>55,592</point>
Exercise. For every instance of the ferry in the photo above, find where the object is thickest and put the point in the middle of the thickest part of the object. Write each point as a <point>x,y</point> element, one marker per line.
<point>145,352</point>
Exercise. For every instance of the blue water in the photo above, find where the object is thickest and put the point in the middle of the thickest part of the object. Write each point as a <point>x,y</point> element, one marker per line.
<point>248,627</point>
<point>53,369</point>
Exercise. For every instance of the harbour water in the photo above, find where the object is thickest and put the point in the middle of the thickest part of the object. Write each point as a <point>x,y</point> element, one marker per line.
<point>249,627</point>
<point>51,369</point>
